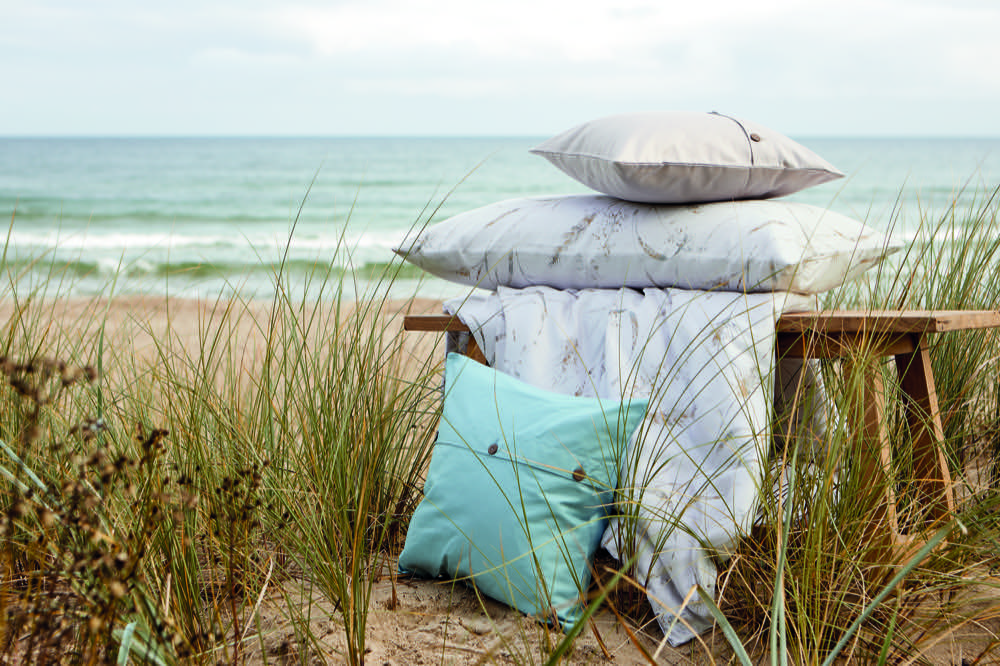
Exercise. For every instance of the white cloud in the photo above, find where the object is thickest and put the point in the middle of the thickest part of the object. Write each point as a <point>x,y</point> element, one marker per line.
<point>518,66</point>
<point>518,29</point>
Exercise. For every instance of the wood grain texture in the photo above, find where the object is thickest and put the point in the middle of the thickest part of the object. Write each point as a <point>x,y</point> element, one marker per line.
<point>887,321</point>
<point>824,321</point>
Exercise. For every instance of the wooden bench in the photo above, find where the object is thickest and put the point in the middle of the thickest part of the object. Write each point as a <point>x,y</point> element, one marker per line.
<point>850,335</point>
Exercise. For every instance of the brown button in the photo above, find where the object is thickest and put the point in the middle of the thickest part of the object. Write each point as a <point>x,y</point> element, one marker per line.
<point>493,449</point>
<point>755,137</point>
<point>578,474</point>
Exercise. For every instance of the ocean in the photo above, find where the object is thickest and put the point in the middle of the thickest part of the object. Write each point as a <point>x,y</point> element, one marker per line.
<point>217,217</point>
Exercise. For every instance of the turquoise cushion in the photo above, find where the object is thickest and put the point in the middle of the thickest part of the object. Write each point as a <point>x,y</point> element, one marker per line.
<point>517,490</point>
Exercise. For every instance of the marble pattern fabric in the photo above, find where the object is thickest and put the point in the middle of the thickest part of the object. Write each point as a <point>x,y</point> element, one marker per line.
<point>705,361</point>
<point>595,241</point>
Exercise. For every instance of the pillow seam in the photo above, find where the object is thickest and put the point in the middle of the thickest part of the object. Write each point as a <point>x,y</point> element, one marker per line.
<point>708,165</point>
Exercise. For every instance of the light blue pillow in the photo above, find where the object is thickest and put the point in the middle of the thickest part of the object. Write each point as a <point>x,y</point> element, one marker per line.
<point>517,490</point>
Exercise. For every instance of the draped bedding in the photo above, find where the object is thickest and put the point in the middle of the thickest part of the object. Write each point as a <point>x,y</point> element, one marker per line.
<point>692,473</point>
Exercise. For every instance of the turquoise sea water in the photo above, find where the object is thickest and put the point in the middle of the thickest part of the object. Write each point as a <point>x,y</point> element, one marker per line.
<point>209,217</point>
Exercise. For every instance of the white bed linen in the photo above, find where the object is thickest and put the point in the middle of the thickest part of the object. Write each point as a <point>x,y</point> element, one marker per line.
<point>705,360</point>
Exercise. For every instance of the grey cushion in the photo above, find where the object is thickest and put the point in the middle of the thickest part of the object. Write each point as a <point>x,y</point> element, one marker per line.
<point>684,157</point>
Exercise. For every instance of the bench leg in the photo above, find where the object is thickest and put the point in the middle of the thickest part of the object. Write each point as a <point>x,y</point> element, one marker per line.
<point>930,465</point>
<point>874,449</point>
<point>474,352</point>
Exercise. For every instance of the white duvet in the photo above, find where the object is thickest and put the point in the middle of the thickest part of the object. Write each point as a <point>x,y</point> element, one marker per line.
<point>693,469</point>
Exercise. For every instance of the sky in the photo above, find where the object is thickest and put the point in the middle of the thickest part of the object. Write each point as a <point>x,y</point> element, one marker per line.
<point>502,67</point>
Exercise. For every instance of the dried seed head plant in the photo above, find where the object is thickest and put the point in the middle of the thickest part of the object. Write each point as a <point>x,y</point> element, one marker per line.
<point>73,572</point>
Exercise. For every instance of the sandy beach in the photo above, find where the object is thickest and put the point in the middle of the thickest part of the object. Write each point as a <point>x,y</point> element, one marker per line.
<point>139,326</point>
<point>410,621</point>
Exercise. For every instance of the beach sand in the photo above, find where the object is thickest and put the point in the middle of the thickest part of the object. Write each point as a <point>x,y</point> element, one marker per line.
<point>411,621</point>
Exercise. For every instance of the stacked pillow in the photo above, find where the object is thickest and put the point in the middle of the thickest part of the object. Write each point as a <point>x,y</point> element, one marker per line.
<point>517,491</point>
<point>519,480</point>
<point>676,214</point>
<point>678,157</point>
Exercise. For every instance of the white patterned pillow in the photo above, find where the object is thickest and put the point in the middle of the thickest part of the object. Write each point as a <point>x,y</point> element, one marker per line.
<point>684,157</point>
<point>593,241</point>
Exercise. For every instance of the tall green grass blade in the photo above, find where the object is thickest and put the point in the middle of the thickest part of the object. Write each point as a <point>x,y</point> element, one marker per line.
<point>23,468</point>
<point>126,643</point>
<point>778,632</point>
<point>727,629</point>
<point>100,339</point>
<point>134,642</point>
<point>883,656</point>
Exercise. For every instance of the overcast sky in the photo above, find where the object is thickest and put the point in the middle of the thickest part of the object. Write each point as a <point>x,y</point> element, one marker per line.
<point>502,67</point>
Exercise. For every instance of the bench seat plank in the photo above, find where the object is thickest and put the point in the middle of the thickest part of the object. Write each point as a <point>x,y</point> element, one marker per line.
<point>824,321</point>
<point>887,321</point>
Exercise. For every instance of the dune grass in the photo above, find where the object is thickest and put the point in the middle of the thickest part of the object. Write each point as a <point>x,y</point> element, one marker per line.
<point>154,503</point>
<point>205,477</point>
<point>815,566</point>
